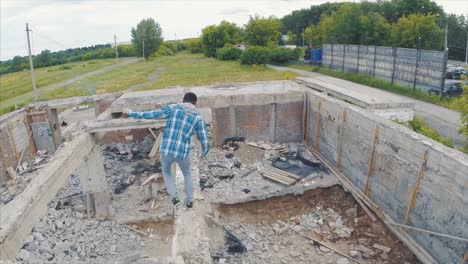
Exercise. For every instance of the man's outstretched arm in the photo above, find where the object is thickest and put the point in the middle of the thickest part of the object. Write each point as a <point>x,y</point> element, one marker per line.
<point>203,137</point>
<point>156,114</point>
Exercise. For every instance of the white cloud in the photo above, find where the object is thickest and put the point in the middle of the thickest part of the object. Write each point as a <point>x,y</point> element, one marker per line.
<point>82,23</point>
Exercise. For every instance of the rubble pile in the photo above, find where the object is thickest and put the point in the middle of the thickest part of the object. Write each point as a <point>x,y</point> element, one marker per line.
<point>126,163</point>
<point>65,235</point>
<point>25,174</point>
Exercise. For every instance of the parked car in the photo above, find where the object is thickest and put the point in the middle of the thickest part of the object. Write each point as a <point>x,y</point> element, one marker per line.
<point>455,74</point>
<point>452,89</point>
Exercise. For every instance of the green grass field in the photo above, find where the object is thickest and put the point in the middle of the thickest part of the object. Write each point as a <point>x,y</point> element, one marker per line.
<point>18,83</point>
<point>182,69</point>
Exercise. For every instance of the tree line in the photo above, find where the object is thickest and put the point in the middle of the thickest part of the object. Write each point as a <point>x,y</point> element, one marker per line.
<point>398,23</point>
<point>47,58</point>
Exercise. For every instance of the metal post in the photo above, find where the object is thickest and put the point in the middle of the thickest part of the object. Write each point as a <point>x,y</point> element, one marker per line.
<point>331,57</point>
<point>444,66</point>
<point>344,55</point>
<point>358,55</point>
<point>394,60</point>
<point>33,77</point>
<point>418,54</point>
<point>375,58</point>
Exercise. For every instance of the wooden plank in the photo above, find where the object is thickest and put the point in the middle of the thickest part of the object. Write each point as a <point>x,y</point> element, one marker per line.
<point>156,145</point>
<point>317,125</point>
<point>283,178</point>
<point>371,160</point>
<point>152,133</point>
<point>36,113</point>
<point>122,124</point>
<point>319,242</point>
<point>150,178</point>
<point>277,179</point>
<point>2,156</point>
<point>343,122</point>
<point>414,192</point>
<point>465,258</point>
<point>307,118</point>
<point>13,143</point>
<point>413,246</point>
<point>290,175</point>
<point>22,153</point>
<point>32,145</point>
<point>12,173</point>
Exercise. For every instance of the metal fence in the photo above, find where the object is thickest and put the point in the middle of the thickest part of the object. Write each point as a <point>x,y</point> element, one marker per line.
<point>421,69</point>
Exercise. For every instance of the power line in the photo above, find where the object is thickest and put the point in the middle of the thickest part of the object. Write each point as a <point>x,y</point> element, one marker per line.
<point>45,37</point>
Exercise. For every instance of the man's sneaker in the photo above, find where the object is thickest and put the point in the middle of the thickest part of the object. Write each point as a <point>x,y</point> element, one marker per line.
<point>189,204</point>
<point>175,201</point>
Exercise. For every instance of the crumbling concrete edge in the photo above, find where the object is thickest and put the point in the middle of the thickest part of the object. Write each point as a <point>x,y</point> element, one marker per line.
<point>18,217</point>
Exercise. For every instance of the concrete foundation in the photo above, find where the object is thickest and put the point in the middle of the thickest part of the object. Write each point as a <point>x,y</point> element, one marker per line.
<point>411,178</point>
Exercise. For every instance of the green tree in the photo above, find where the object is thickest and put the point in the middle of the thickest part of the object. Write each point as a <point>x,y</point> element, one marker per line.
<point>417,30</point>
<point>291,38</point>
<point>44,59</point>
<point>215,37</point>
<point>374,30</point>
<point>312,36</point>
<point>147,33</point>
<point>261,31</point>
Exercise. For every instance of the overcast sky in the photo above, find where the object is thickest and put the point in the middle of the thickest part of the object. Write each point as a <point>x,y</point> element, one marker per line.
<point>77,23</point>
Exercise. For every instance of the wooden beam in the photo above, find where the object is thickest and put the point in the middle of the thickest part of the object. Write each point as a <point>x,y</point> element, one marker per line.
<point>32,144</point>
<point>417,250</point>
<point>152,133</point>
<point>343,122</point>
<point>13,144</point>
<point>371,160</point>
<point>414,192</point>
<point>317,125</point>
<point>122,124</point>
<point>307,118</point>
<point>465,258</point>
<point>22,153</point>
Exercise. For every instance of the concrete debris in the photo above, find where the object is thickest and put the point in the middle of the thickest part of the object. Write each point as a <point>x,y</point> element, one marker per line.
<point>9,190</point>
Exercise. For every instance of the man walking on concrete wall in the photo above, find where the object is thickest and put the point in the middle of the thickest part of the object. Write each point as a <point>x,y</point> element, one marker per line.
<point>182,121</point>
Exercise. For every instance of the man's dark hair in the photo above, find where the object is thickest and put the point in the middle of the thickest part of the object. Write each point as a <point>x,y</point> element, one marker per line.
<point>190,98</point>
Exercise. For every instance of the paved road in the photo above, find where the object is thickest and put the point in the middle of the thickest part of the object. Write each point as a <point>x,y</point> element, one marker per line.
<point>122,62</point>
<point>444,120</point>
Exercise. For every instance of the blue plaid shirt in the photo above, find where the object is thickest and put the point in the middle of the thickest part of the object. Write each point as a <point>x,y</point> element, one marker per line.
<point>182,121</point>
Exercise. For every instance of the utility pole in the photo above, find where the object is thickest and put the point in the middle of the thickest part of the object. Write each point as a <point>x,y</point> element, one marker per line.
<point>116,50</point>
<point>33,77</point>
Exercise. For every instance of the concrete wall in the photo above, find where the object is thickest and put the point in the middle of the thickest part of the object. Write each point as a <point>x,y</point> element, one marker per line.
<point>441,201</point>
<point>399,65</point>
<point>19,216</point>
<point>274,122</point>
<point>13,140</point>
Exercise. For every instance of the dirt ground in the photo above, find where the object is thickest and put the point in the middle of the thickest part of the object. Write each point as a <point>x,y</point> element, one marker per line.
<point>292,208</point>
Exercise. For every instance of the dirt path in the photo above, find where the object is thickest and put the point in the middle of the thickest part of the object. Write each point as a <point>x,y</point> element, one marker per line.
<point>444,120</point>
<point>21,98</point>
<point>152,78</point>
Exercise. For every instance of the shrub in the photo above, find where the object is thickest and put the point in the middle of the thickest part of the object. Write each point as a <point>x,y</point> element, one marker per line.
<point>283,55</point>
<point>228,53</point>
<point>255,55</point>
<point>194,45</point>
